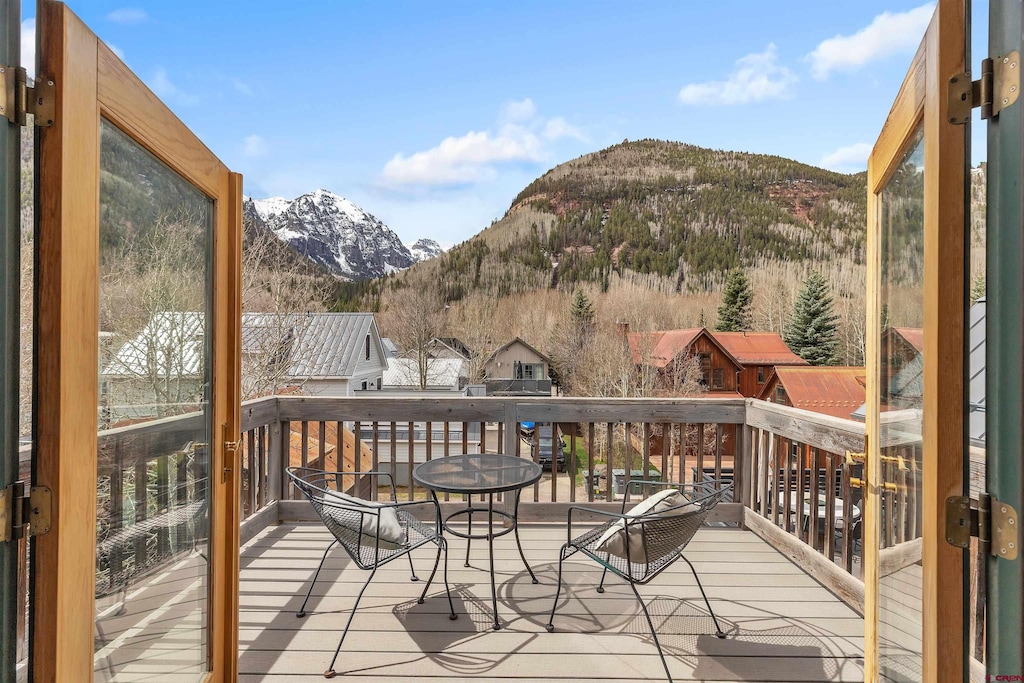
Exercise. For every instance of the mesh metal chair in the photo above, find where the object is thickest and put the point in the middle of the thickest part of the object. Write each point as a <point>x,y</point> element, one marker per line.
<point>347,519</point>
<point>664,535</point>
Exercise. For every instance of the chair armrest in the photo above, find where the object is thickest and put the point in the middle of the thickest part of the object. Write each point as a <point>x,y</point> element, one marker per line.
<point>581,508</point>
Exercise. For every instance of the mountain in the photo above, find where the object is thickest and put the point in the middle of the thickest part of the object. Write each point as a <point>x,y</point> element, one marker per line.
<point>673,216</point>
<point>332,232</point>
<point>424,248</point>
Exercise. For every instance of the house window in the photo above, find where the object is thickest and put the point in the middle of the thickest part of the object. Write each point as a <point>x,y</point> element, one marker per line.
<point>718,378</point>
<point>367,349</point>
<point>380,383</point>
<point>760,374</point>
<point>363,387</point>
<point>780,394</point>
<point>705,368</point>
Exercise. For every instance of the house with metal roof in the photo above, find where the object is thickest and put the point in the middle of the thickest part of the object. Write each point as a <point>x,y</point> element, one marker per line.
<point>758,353</point>
<point>664,349</point>
<point>828,389</point>
<point>517,369</point>
<point>158,372</point>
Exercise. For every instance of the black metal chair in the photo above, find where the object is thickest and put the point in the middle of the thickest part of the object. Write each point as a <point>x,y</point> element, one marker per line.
<point>664,535</point>
<point>358,526</point>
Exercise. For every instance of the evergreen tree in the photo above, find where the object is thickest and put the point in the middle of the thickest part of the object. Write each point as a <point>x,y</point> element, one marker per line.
<point>734,313</point>
<point>813,328</point>
<point>582,310</point>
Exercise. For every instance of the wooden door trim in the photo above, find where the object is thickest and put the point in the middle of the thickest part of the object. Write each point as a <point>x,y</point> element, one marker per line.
<point>93,84</point>
<point>922,99</point>
<point>66,349</point>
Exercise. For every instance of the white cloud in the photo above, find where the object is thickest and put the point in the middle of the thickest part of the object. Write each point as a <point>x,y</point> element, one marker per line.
<point>756,77</point>
<point>28,46</point>
<point>254,146</point>
<point>475,157</point>
<point>558,128</point>
<point>165,89</point>
<point>889,33</point>
<point>849,158</point>
<point>518,112</point>
<point>241,87</point>
<point>464,159</point>
<point>128,15</point>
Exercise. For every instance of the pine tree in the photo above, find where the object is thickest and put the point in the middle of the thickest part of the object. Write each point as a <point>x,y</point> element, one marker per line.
<point>582,311</point>
<point>734,313</point>
<point>813,328</point>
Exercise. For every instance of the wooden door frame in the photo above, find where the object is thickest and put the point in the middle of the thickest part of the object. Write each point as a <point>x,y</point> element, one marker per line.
<point>922,101</point>
<point>92,83</point>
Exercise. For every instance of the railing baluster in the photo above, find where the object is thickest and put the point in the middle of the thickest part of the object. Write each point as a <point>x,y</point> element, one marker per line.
<point>447,448</point>
<point>787,486</point>
<point>261,463</point>
<point>718,459</point>
<point>698,477</point>
<point>394,454</point>
<point>141,513</point>
<point>410,489</point>
<point>830,502</point>
<point>572,465</point>
<point>667,432</point>
<point>247,481</point>
<point>815,498</point>
<point>800,492</point>
<point>375,459</point>
<point>627,439</point>
<point>610,463</point>
<point>117,508</point>
<point>535,454</point>
<point>647,456</point>
<point>592,484</point>
<point>285,490</point>
<point>556,450</point>
<point>357,451</point>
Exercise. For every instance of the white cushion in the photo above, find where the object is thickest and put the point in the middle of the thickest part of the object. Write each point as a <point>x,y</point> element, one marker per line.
<point>613,541</point>
<point>392,535</point>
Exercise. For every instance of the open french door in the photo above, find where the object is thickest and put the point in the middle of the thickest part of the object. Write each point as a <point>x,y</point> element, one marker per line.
<point>916,255</point>
<point>137,323</point>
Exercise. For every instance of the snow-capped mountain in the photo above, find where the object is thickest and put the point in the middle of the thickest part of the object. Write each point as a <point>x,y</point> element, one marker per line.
<point>333,232</point>
<point>424,248</point>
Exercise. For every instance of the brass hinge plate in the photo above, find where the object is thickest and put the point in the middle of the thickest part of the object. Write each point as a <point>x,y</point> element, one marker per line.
<point>997,89</point>
<point>21,514</point>
<point>19,99</point>
<point>995,524</point>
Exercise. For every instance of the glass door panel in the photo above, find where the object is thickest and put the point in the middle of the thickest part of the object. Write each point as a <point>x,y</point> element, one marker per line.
<point>901,385</point>
<point>154,423</point>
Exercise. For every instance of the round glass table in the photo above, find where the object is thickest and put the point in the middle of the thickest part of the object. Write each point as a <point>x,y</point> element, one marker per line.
<point>481,474</point>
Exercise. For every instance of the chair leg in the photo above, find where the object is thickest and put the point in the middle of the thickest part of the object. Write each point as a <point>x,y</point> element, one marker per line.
<point>302,610</point>
<point>451,607</point>
<point>437,560</point>
<point>600,586</point>
<point>718,629</point>
<point>412,570</point>
<point>551,620</point>
<point>330,673</point>
<point>654,634</point>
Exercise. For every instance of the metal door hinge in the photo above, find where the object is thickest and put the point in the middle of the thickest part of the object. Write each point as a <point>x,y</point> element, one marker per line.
<point>230,451</point>
<point>997,89</point>
<point>22,514</point>
<point>21,99</point>
<point>995,525</point>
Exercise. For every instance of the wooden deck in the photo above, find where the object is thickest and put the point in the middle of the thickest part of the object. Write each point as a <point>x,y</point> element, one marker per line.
<point>782,625</point>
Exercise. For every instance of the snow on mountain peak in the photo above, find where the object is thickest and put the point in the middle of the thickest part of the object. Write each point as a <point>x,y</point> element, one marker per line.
<point>334,232</point>
<point>424,248</point>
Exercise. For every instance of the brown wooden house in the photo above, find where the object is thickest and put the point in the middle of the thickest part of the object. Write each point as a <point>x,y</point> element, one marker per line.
<point>719,369</point>
<point>758,353</point>
<point>828,389</point>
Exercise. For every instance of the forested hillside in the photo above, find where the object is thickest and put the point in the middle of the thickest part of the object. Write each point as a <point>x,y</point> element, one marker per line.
<point>680,215</point>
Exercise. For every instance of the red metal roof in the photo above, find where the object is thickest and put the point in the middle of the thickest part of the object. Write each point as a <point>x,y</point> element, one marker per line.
<point>659,348</point>
<point>758,348</point>
<point>913,336</point>
<point>832,390</point>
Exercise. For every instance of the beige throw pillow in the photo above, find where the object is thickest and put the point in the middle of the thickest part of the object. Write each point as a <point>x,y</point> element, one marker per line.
<point>392,535</point>
<point>613,541</point>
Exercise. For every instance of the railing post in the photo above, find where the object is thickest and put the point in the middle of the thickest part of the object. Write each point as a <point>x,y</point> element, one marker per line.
<point>511,435</point>
<point>276,462</point>
<point>741,465</point>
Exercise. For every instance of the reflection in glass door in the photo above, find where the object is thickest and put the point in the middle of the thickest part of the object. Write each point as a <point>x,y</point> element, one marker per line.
<point>901,386</point>
<point>154,422</point>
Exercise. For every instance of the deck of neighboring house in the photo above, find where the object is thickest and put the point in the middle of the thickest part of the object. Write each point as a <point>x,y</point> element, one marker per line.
<point>782,625</point>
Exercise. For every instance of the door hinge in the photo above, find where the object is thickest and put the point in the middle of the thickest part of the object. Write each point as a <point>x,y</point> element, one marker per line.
<point>992,522</point>
<point>230,451</point>
<point>24,514</point>
<point>997,89</point>
<point>21,99</point>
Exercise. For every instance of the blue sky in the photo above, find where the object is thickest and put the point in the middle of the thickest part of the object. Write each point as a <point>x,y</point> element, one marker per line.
<point>434,115</point>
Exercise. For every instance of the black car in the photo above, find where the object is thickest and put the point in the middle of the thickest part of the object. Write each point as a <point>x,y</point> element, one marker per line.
<point>544,444</point>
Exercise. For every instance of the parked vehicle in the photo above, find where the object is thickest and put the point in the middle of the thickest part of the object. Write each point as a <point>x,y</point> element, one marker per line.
<point>544,442</point>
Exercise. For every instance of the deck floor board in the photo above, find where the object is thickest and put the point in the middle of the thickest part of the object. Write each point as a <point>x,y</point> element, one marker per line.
<point>782,625</point>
